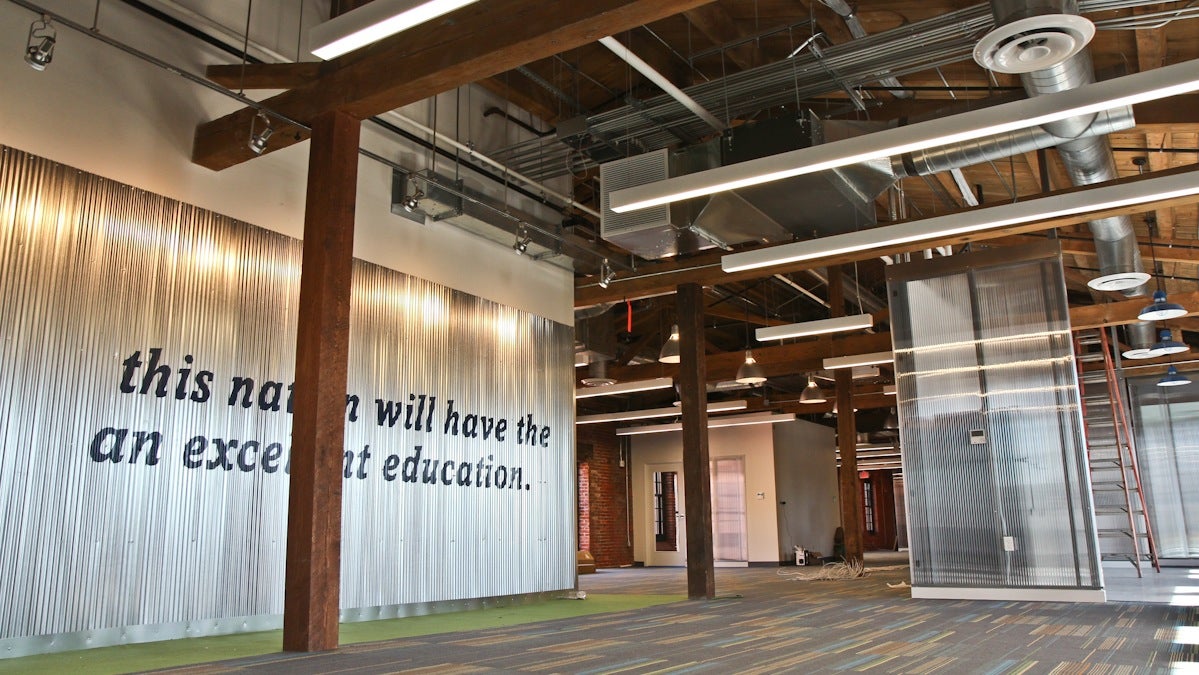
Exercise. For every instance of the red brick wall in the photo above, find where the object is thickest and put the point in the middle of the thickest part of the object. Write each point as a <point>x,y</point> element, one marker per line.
<point>604,517</point>
<point>584,515</point>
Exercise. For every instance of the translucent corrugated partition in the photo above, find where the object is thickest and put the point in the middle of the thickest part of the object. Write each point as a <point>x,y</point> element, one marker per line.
<point>1166,424</point>
<point>994,459</point>
<point>146,363</point>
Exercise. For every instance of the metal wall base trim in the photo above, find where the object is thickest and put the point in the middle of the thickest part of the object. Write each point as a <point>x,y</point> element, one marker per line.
<point>11,648</point>
<point>1010,594</point>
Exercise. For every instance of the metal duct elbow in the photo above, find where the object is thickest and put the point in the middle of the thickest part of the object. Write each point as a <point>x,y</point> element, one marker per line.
<point>1089,160</point>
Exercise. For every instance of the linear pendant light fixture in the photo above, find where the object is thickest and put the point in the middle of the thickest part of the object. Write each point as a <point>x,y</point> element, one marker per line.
<point>713,423</point>
<point>1149,85</point>
<point>651,413</point>
<point>374,21</point>
<point>914,232</point>
<point>840,324</point>
<point>871,359</point>
<point>625,387</point>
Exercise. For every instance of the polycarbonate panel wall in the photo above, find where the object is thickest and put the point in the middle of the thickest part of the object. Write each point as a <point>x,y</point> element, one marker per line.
<point>146,363</point>
<point>994,460</point>
<point>1166,424</point>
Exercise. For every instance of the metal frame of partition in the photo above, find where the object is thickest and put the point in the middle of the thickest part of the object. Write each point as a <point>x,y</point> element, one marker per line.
<point>997,490</point>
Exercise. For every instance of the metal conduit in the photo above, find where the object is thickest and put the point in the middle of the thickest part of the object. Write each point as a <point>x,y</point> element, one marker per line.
<point>919,46</point>
<point>856,29</point>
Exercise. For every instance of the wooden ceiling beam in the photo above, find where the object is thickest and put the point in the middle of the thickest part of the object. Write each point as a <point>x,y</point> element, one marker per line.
<point>534,99</point>
<point>472,43</point>
<point>266,75</point>
<point>715,23</point>
<point>808,356</point>
<point>777,361</point>
<point>1151,43</point>
<point>737,315</point>
<point>651,280</point>
<point>1178,113</point>
<point>1120,313</point>
<point>1170,251</point>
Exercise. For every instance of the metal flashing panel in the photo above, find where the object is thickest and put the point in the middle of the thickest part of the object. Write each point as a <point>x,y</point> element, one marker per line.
<point>146,368</point>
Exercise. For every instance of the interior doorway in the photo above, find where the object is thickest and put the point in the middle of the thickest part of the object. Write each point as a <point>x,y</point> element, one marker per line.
<point>664,484</point>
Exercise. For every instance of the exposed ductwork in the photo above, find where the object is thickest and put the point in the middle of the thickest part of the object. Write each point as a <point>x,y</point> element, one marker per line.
<point>991,148</point>
<point>1040,39</point>
<point>1088,161</point>
<point>1029,32</point>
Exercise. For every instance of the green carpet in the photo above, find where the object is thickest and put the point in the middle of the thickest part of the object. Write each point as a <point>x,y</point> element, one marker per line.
<point>171,653</point>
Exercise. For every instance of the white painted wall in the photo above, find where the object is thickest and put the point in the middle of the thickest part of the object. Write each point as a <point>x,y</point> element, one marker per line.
<point>106,112</point>
<point>754,443</point>
<point>805,464</point>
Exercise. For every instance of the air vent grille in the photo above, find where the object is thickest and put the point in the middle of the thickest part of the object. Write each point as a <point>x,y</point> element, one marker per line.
<point>630,172</point>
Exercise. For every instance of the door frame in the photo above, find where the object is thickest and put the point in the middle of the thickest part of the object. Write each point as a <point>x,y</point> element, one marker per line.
<point>654,557</point>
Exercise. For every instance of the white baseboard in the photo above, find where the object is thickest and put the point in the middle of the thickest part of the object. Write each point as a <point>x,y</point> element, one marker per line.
<point>1010,594</point>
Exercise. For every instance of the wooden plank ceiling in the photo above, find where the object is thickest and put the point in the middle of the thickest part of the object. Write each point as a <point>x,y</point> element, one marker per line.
<point>549,64</point>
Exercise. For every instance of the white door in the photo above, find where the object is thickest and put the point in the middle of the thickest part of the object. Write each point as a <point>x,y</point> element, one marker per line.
<point>667,526</point>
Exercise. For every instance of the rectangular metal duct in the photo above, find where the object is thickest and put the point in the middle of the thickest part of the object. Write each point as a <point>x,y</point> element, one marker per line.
<point>660,231</point>
<point>817,204</point>
<point>828,202</point>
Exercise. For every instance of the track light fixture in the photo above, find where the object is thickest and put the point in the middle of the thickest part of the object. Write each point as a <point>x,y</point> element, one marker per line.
<point>39,49</point>
<point>412,202</point>
<point>522,240</point>
<point>258,140</point>
<point>606,274</point>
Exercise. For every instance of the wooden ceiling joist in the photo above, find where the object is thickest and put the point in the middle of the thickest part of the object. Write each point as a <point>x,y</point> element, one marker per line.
<point>467,45</point>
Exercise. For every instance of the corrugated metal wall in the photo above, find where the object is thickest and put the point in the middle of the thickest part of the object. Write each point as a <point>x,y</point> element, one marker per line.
<point>1166,420</point>
<point>146,357</point>
<point>983,350</point>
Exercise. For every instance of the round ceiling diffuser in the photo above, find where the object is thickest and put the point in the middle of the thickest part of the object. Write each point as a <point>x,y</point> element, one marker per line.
<point>1120,281</point>
<point>1034,43</point>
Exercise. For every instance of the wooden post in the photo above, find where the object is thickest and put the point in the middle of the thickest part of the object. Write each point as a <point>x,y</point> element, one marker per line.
<point>693,372</point>
<point>848,491</point>
<point>313,578</point>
